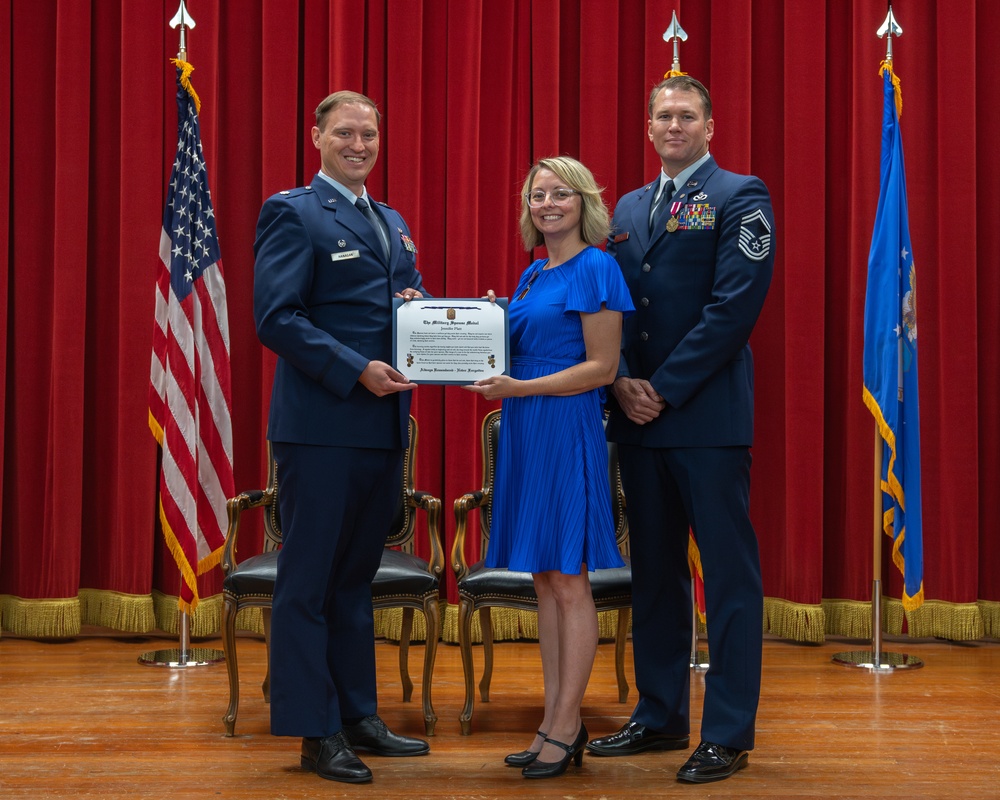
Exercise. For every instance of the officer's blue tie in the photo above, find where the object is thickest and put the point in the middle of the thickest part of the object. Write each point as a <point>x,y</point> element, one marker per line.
<point>376,223</point>
<point>659,214</point>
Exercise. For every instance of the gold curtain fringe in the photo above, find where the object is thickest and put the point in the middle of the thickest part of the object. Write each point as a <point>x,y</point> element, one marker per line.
<point>957,622</point>
<point>132,613</point>
<point>607,624</point>
<point>205,620</point>
<point>389,625</point>
<point>117,611</point>
<point>991,618</point>
<point>250,619</point>
<point>42,619</point>
<point>795,621</point>
<point>893,616</point>
<point>509,624</point>
<point>506,625</point>
<point>527,623</point>
<point>850,618</point>
<point>63,618</point>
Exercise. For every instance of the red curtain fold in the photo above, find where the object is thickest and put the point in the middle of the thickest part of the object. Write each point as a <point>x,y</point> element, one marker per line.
<point>5,237</point>
<point>950,386</point>
<point>986,199</point>
<point>472,93</point>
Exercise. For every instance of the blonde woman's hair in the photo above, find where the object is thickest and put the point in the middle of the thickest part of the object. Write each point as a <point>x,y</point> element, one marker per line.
<point>595,221</point>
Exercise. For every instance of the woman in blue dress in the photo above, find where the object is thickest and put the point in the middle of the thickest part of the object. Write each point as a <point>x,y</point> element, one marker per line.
<point>551,505</point>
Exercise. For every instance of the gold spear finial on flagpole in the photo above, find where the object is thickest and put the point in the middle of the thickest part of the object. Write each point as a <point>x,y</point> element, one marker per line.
<point>183,20</point>
<point>676,34</point>
<point>889,29</point>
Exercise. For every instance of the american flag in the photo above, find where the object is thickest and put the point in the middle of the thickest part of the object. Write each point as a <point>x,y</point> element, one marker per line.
<point>190,395</point>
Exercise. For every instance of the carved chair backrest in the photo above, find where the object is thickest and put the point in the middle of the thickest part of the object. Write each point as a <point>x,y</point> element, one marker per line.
<point>403,524</point>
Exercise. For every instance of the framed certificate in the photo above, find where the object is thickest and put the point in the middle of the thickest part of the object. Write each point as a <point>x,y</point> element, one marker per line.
<point>450,340</point>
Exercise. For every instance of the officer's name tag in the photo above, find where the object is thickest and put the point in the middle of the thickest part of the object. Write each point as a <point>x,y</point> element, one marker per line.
<point>345,254</point>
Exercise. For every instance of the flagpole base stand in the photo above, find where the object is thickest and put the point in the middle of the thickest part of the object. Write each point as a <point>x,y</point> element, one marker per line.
<point>886,661</point>
<point>178,659</point>
<point>699,660</point>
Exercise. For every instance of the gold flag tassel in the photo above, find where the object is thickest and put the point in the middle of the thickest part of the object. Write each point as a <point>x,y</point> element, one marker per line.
<point>186,70</point>
<point>887,66</point>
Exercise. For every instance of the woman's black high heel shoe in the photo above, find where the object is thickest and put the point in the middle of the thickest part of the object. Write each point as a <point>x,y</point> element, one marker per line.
<point>550,769</point>
<point>525,757</point>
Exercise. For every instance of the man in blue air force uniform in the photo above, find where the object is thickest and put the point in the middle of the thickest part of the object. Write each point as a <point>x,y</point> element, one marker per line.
<point>328,263</point>
<point>696,250</point>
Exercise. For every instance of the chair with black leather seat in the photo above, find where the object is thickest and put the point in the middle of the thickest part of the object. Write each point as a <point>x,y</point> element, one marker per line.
<point>403,580</point>
<point>481,589</point>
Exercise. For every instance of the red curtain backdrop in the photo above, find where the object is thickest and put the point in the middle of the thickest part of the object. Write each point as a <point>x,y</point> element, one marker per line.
<point>472,93</point>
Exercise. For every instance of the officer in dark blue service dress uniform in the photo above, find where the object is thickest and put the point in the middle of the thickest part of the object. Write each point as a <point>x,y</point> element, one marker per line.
<point>695,247</point>
<point>328,264</point>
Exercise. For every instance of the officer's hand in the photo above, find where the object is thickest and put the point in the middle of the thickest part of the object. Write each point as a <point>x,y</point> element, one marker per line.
<point>638,399</point>
<point>496,387</point>
<point>381,379</point>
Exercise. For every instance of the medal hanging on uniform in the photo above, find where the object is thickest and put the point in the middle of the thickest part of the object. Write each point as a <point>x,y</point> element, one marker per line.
<point>673,223</point>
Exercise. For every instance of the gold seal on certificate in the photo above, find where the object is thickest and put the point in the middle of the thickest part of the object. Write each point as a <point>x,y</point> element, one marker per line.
<point>449,340</point>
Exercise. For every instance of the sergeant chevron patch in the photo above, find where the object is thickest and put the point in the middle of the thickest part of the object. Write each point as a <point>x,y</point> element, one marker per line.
<point>755,236</point>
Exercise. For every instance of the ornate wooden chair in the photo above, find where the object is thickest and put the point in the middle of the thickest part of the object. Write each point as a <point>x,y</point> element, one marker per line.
<point>403,580</point>
<point>481,589</point>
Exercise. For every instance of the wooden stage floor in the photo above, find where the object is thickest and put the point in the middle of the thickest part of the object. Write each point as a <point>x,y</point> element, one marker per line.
<point>83,719</point>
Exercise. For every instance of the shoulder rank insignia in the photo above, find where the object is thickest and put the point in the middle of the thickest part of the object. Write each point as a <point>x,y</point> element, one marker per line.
<point>755,236</point>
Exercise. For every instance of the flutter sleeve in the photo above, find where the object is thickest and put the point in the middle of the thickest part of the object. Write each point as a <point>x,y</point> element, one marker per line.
<point>597,280</point>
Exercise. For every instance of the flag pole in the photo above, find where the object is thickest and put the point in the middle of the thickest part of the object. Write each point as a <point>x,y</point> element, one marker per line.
<point>877,553</point>
<point>699,658</point>
<point>675,34</point>
<point>875,659</point>
<point>184,655</point>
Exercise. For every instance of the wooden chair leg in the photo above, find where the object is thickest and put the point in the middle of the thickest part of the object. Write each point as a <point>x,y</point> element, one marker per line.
<point>432,616</point>
<point>229,647</point>
<point>404,654</point>
<point>465,611</point>
<point>486,623</point>
<point>265,687</point>
<point>624,617</point>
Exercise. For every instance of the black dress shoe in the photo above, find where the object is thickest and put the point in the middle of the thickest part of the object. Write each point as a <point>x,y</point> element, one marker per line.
<point>712,762</point>
<point>372,736</point>
<point>525,757</point>
<point>550,769</point>
<point>635,738</point>
<point>332,758</point>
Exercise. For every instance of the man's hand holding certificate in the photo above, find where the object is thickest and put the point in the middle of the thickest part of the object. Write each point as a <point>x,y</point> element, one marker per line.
<point>450,341</point>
